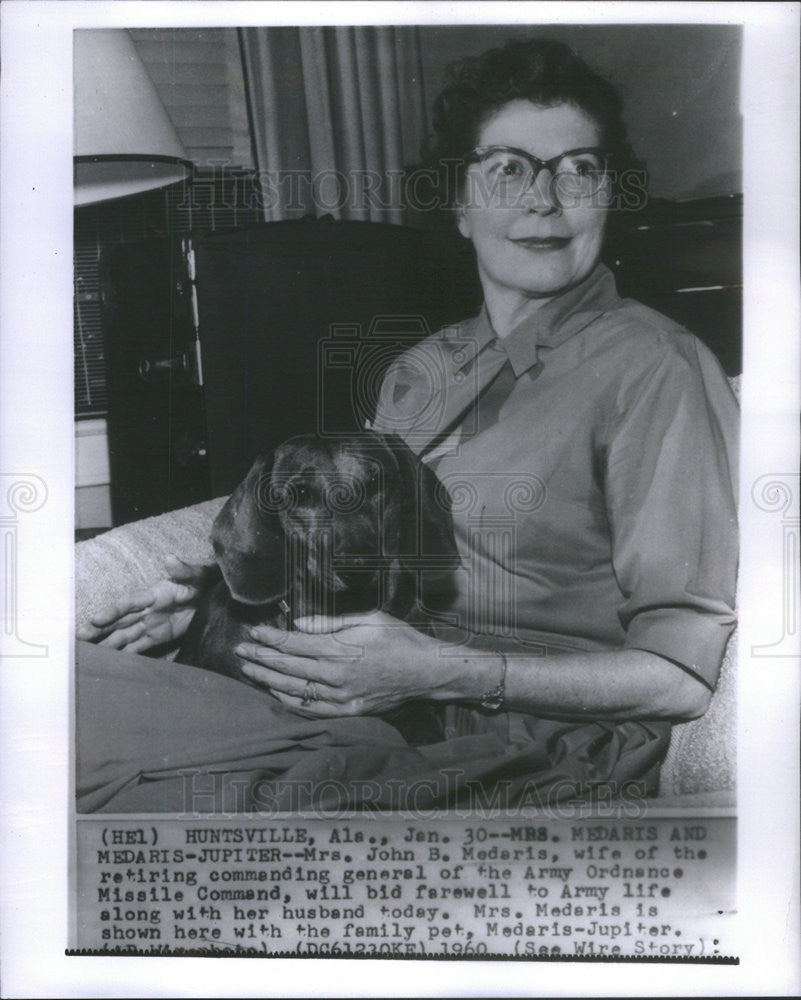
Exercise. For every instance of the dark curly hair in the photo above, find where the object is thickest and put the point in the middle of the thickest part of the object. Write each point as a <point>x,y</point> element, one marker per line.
<point>539,70</point>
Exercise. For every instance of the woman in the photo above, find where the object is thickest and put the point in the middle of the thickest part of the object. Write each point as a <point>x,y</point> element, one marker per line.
<point>589,445</point>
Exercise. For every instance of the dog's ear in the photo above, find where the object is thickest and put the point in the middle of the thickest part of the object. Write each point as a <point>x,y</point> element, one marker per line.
<point>429,544</point>
<point>248,540</point>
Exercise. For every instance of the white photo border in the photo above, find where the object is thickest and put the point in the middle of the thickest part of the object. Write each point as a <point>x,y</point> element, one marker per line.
<point>36,415</point>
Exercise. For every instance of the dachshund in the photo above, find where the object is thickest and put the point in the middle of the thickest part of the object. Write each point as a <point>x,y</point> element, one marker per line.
<point>329,526</point>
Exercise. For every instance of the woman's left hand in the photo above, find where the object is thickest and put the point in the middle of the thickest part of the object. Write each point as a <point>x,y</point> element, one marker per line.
<point>355,665</point>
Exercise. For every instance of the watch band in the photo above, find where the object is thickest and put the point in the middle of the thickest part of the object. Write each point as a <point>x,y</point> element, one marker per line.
<point>494,699</point>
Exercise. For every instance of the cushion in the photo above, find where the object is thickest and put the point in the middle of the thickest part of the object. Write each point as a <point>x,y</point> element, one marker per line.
<point>116,564</point>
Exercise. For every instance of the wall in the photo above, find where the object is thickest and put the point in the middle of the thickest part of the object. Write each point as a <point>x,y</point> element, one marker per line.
<point>92,497</point>
<point>679,84</point>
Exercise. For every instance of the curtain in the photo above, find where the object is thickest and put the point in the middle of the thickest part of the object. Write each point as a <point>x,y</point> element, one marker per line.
<point>336,115</point>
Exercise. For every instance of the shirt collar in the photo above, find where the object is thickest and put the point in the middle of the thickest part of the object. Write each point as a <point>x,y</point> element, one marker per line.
<point>551,325</point>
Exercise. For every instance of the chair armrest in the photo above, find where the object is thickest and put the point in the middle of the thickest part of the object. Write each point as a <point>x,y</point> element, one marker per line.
<point>121,561</point>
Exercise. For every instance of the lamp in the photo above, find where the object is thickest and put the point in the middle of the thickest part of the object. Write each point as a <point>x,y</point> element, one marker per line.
<point>124,141</point>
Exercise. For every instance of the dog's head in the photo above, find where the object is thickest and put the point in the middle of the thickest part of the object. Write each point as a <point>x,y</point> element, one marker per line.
<point>358,518</point>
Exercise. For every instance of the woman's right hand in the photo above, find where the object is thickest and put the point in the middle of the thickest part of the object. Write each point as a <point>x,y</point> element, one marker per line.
<point>154,616</point>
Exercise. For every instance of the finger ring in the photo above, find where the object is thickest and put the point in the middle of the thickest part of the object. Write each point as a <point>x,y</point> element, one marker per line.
<point>309,694</point>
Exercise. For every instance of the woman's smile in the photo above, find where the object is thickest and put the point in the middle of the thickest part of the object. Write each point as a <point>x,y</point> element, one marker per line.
<point>541,242</point>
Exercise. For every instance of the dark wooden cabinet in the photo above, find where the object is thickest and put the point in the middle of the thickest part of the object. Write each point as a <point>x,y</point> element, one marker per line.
<point>685,260</point>
<point>156,418</point>
<point>222,345</point>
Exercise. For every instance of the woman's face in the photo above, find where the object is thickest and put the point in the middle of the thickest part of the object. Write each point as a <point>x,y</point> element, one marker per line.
<point>533,247</point>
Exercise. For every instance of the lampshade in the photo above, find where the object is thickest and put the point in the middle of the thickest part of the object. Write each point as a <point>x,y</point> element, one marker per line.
<point>124,141</point>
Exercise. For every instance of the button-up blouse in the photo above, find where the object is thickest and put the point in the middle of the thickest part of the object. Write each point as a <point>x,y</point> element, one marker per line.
<point>595,510</point>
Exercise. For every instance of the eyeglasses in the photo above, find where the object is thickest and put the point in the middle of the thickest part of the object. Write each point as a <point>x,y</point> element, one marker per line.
<point>509,172</point>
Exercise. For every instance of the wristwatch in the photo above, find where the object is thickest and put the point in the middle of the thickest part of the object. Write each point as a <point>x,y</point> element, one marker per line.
<point>493,700</point>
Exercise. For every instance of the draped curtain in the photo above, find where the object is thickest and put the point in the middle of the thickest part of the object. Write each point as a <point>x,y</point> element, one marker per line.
<point>336,115</point>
